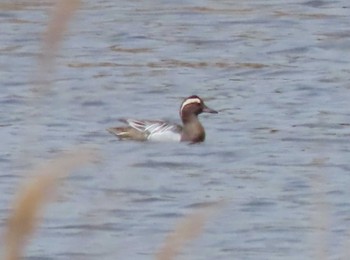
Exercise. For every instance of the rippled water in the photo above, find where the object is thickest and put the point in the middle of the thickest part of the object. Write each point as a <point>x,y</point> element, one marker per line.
<point>278,72</point>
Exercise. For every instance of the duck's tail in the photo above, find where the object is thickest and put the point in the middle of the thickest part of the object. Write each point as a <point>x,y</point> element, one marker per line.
<point>127,133</point>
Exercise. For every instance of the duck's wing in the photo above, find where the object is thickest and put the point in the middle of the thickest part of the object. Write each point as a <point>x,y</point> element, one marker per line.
<point>155,129</point>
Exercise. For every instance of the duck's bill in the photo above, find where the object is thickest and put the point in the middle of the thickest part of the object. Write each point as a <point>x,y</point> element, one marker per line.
<point>209,110</point>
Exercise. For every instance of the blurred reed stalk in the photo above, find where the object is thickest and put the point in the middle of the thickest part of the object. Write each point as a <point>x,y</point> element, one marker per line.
<point>189,228</point>
<point>33,196</point>
<point>61,15</point>
<point>320,219</point>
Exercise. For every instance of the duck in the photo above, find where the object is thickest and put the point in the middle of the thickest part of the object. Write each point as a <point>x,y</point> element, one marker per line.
<point>190,131</point>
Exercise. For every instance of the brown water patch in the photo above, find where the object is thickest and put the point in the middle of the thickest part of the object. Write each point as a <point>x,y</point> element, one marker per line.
<point>100,64</point>
<point>172,63</point>
<point>303,16</point>
<point>23,5</point>
<point>130,50</point>
<point>9,48</point>
<point>196,9</point>
<point>19,21</point>
<point>336,35</point>
<point>267,129</point>
<point>204,9</point>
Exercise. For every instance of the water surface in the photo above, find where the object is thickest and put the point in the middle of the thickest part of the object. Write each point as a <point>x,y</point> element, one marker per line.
<point>278,72</point>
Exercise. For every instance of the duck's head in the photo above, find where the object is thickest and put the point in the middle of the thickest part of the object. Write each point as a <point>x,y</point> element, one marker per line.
<point>194,105</point>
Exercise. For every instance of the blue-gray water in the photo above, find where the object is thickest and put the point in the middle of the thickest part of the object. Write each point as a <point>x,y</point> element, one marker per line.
<point>277,153</point>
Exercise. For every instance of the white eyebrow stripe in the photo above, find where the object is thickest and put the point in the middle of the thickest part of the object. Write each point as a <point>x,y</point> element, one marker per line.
<point>190,101</point>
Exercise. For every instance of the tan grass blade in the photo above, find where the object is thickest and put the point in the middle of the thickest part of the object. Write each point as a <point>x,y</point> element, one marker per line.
<point>189,228</point>
<point>321,215</point>
<point>32,197</point>
<point>62,13</point>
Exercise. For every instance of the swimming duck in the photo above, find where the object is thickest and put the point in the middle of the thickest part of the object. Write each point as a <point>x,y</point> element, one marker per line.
<point>191,129</point>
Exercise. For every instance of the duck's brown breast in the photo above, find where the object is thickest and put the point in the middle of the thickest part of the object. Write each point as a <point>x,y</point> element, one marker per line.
<point>193,132</point>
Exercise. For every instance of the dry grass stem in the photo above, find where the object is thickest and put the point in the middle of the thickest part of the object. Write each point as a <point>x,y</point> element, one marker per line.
<point>190,227</point>
<point>320,219</point>
<point>35,193</point>
<point>58,24</point>
<point>32,198</point>
<point>321,212</point>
